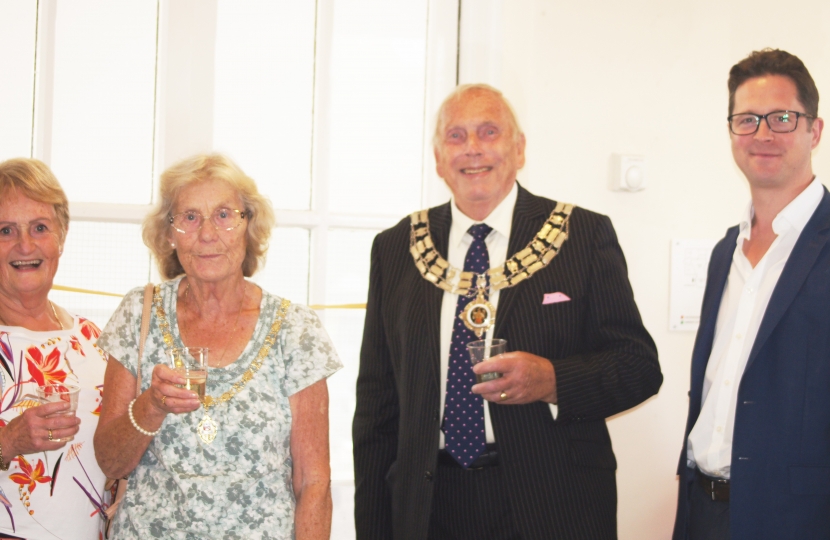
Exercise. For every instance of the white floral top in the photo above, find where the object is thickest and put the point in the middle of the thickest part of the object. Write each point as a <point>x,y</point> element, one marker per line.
<point>239,486</point>
<point>56,494</point>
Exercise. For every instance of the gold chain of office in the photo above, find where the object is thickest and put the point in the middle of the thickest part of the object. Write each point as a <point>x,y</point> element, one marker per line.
<point>207,427</point>
<point>479,315</point>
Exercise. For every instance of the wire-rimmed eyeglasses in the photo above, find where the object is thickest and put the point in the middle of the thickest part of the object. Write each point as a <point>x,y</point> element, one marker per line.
<point>777,121</point>
<point>224,219</point>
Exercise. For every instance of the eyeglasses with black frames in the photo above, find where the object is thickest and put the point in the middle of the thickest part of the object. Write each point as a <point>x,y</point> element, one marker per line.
<point>224,219</point>
<point>777,121</point>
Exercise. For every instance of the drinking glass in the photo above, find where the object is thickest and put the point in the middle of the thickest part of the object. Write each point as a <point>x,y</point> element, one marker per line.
<point>480,351</point>
<point>57,392</point>
<point>190,363</point>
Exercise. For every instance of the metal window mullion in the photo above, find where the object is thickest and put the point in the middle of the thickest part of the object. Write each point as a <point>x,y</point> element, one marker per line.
<point>320,144</point>
<point>44,84</point>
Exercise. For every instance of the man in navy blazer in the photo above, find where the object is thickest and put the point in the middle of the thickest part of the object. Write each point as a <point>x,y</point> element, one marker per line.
<point>756,453</point>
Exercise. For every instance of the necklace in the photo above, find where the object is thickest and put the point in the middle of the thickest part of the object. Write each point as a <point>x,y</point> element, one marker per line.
<point>235,322</point>
<point>480,315</point>
<point>55,313</point>
<point>208,428</point>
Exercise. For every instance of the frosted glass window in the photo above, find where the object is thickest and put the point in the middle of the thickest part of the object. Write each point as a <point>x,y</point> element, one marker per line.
<point>18,21</point>
<point>377,89</point>
<point>348,258</point>
<point>286,269</point>
<point>106,257</point>
<point>104,81</point>
<point>263,94</point>
<point>345,327</point>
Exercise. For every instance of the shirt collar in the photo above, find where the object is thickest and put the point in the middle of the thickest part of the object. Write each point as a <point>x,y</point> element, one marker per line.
<point>794,216</point>
<point>500,219</point>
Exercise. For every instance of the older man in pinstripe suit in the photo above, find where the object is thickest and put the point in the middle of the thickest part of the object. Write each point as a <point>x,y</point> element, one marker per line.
<point>526,455</point>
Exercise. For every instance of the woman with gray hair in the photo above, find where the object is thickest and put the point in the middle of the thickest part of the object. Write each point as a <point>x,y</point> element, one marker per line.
<point>254,463</point>
<point>50,484</point>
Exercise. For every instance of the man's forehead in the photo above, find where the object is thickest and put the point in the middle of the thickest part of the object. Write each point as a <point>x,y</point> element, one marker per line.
<point>766,88</point>
<point>475,108</point>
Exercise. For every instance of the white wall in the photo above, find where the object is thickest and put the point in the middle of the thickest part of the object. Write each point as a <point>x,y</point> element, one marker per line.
<point>645,77</point>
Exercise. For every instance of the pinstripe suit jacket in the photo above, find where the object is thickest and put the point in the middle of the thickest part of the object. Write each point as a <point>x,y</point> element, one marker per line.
<point>560,474</point>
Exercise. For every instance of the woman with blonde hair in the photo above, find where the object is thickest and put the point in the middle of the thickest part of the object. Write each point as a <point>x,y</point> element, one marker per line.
<point>50,484</point>
<point>252,459</point>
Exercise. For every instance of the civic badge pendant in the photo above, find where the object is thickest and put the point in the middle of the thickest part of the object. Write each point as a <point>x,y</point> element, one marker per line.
<point>207,429</point>
<point>479,315</point>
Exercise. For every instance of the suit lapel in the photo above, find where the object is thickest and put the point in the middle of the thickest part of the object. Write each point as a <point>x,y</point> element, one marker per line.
<point>807,249</point>
<point>528,216</point>
<point>719,267</point>
<point>440,219</point>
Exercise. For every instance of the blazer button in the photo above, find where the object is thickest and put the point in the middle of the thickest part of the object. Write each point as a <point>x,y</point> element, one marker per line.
<point>435,416</point>
<point>428,476</point>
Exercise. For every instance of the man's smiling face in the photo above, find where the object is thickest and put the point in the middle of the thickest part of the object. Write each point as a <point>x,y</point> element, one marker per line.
<point>478,152</point>
<point>769,159</point>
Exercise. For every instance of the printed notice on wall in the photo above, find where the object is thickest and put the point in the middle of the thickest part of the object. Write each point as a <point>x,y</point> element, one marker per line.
<point>689,262</point>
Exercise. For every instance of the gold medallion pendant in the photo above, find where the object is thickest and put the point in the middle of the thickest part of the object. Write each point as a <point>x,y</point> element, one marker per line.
<point>207,429</point>
<point>479,315</point>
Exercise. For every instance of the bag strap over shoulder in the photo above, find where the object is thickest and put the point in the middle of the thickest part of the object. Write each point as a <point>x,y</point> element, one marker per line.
<point>145,328</point>
<point>121,487</point>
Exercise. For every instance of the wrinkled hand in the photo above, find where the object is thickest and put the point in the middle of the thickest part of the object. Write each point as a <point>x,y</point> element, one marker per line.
<point>176,400</point>
<point>525,378</point>
<point>29,432</point>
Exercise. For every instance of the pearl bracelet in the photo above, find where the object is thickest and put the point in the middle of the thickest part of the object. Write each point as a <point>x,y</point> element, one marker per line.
<point>139,428</point>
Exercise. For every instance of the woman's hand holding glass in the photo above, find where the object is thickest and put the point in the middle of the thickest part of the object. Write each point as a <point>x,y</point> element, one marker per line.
<point>30,432</point>
<point>166,392</point>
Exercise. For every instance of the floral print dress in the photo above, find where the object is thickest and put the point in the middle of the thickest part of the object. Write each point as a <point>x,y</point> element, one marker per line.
<point>239,486</point>
<point>56,494</point>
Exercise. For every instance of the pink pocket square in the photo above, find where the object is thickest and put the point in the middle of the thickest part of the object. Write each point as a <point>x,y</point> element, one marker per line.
<point>555,298</point>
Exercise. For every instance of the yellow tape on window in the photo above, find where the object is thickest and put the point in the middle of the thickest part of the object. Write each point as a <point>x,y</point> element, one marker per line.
<point>103,293</point>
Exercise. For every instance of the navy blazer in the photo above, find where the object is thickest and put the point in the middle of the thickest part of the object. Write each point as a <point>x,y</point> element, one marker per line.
<point>780,472</point>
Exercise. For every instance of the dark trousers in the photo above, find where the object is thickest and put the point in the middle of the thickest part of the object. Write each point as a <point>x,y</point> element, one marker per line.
<point>708,519</point>
<point>470,504</point>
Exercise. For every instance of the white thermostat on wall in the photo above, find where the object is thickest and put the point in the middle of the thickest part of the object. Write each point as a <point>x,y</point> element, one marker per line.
<point>628,172</point>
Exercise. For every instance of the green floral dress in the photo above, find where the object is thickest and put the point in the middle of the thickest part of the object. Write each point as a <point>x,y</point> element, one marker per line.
<point>239,486</point>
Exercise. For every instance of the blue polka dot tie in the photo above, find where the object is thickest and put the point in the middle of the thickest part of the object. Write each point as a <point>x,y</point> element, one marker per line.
<point>464,411</point>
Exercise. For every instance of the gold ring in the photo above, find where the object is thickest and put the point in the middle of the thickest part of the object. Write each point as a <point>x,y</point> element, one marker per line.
<point>503,396</point>
<point>162,401</point>
<point>50,434</point>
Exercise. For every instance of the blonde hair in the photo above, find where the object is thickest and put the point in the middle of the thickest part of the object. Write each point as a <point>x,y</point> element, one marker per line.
<point>257,208</point>
<point>33,179</point>
<point>458,94</point>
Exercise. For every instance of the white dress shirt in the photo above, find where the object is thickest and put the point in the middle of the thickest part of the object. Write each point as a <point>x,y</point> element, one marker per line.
<point>745,298</point>
<point>501,220</point>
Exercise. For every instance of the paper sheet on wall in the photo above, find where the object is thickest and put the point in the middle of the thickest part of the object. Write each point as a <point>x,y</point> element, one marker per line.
<point>689,262</point>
